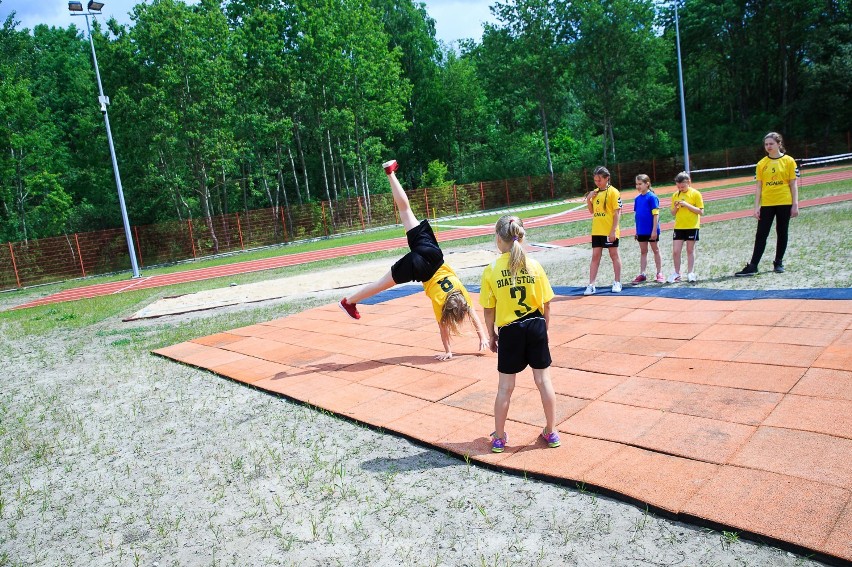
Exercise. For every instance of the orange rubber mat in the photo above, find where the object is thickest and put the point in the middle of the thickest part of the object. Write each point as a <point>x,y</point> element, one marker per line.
<point>735,414</point>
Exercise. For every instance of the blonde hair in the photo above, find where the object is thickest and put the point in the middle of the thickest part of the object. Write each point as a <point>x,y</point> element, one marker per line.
<point>777,137</point>
<point>643,178</point>
<point>454,312</point>
<point>510,229</point>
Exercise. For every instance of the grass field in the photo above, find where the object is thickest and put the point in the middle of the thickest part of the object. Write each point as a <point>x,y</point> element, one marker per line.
<point>111,456</point>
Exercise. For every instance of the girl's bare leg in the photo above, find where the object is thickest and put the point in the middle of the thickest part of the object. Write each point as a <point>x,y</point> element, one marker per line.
<point>690,255</point>
<point>407,217</point>
<point>501,403</point>
<point>677,248</point>
<point>643,257</point>
<point>658,259</point>
<point>371,289</point>
<point>548,396</point>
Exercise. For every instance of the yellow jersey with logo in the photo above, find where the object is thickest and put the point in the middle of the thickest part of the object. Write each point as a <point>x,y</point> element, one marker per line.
<point>514,297</point>
<point>775,175</point>
<point>605,202</point>
<point>684,218</point>
<point>439,286</point>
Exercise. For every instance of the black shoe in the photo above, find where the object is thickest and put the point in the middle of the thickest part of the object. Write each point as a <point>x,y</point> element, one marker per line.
<point>779,267</point>
<point>749,270</point>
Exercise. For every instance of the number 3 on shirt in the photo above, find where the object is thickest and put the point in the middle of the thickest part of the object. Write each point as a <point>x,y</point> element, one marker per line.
<point>522,292</point>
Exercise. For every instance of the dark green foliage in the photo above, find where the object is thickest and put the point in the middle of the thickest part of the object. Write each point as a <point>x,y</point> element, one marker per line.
<point>227,106</point>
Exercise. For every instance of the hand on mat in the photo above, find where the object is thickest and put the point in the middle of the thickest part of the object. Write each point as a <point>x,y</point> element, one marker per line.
<point>444,356</point>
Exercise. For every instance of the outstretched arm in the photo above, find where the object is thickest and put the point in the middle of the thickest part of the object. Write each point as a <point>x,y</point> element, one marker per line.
<point>484,341</point>
<point>445,338</point>
<point>490,317</point>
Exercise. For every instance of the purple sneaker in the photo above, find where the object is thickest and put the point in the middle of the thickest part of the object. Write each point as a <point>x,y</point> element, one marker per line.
<point>498,443</point>
<point>552,439</point>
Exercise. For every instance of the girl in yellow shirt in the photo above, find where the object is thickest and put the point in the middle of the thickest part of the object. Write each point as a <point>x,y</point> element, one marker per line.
<point>516,296</point>
<point>423,263</point>
<point>776,196</point>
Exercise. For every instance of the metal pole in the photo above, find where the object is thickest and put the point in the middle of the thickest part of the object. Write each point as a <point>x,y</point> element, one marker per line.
<point>682,103</point>
<point>104,103</point>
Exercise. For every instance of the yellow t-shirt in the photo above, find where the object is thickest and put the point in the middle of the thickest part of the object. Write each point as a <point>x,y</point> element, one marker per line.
<point>775,175</point>
<point>605,203</point>
<point>684,218</point>
<point>529,291</point>
<point>439,286</point>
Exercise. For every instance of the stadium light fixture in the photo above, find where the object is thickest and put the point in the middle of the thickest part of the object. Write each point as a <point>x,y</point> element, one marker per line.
<point>103,100</point>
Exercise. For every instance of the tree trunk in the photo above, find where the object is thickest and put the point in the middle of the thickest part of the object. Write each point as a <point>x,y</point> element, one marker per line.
<point>546,141</point>
<point>302,159</point>
<point>293,165</point>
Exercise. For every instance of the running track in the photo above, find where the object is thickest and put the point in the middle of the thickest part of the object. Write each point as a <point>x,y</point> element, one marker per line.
<point>579,214</point>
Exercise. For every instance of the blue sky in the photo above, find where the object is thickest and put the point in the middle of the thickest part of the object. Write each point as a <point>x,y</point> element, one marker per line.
<point>455,19</point>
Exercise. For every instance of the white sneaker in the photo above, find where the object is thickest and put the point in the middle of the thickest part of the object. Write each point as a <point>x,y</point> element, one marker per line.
<point>616,287</point>
<point>691,277</point>
<point>674,278</point>
<point>590,290</point>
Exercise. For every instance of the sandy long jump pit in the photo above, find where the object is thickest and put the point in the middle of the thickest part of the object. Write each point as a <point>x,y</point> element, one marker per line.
<point>734,414</point>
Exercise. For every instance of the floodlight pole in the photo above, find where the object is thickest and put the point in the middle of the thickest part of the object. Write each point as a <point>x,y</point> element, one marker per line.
<point>104,101</point>
<point>682,103</point>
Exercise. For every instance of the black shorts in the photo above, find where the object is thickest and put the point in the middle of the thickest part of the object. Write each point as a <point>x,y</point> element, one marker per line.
<point>647,238</point>
<point>424,259</point>
<point>685,234</point>
<point>601,242</point>
<point>523,343</point>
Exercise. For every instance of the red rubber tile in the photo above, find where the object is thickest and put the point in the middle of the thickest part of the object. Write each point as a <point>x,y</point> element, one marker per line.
<point>304,387</point>
<point>434,387</point>
<point>650,393</point>
<point>839,542</point>
<point>258,346</point>
<point>254,330</point>
<point>433,422</point>
<point>710,350</point>
<point>835,356</point>
<point>802,512</point>
<point>789,305</point>
<point>747,407</point>
<point>525,407</point>
<point>650,316</point>
<point>817,320</point>
<point>617,363</point>
<point>478,397</point>
<point>682,331</point>
<point>473,440</point>
<point>832,417</point>
<point>802,454</point>
<point>568,357</point>
<point>358,371</point>
<point>395,376</point>
<point>218,340</point>
<point>663,481</point>
<point>384,409</point>
<point>250,370</point>
<point>481,366</point>
<point>341,400</point>
<point>582,384</point>
<point>780,354</point>
<point>181,350</point>
<point>627,345</point>
<point>744,333</point>
<point>208,357</point>
<point>825,383</point>
<point>800,336</point>
<point>765,318</point>
<point>571,460</point>
<point>730,374</point>
<point>611,422</point>
<point>696,438</point>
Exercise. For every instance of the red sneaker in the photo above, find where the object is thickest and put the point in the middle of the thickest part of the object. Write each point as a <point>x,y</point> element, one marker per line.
<point>390,166</point>
<point>349,308</point>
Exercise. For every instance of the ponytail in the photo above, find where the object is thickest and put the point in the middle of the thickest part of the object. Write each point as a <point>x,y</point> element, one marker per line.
<point>510,229</point>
